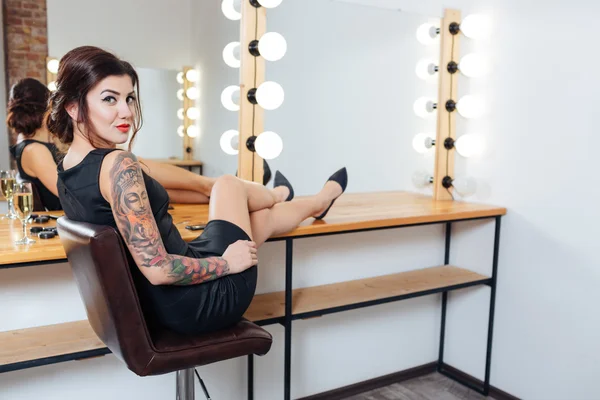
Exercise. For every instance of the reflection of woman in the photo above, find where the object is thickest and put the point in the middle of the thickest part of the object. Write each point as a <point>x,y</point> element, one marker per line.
<point>35,154</point>
<point>96,108</point>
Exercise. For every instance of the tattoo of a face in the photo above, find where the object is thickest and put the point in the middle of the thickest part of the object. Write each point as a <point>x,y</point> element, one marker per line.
<point>136,223</point>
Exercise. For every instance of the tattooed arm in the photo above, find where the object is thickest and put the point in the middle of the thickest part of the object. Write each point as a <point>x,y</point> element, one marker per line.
<point>122,185</point>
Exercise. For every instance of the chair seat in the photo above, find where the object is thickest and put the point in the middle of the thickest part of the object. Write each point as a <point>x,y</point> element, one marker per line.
<point>174,351</point>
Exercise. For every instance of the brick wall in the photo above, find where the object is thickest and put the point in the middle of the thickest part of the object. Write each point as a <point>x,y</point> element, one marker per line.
<point>26,39</point>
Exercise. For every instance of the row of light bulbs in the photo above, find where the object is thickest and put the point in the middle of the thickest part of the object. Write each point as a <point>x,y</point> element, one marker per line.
<point>191,112</point>
<point>269,95</point>
<point>469,106</point>
<point>52,67</point>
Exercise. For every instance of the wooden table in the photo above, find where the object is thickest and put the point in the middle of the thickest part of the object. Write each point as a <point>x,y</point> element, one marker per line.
<point>189,164</point>
<point>30,347</point>
<point>351,212</point>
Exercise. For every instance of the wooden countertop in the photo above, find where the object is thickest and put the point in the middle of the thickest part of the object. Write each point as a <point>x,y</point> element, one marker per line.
<point>351,212</point>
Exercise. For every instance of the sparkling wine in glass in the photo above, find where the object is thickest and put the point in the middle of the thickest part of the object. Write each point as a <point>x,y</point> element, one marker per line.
<point>7,187</point>
<point>23,201</point>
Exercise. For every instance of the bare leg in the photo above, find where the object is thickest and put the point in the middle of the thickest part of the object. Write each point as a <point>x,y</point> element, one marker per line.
<point>229,202</point>
<point>186,197</point>
<point>284,217</point>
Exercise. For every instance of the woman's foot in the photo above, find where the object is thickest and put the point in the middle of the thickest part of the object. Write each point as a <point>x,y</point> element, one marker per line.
<point>282,188</point>
<point>334,187</point>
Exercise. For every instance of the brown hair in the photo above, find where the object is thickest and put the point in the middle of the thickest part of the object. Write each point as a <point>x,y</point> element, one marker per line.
<point>80,70</point>
<point>27,104</point>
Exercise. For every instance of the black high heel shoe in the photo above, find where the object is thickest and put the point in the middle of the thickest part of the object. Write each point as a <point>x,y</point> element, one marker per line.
<point>281,180</point>
<point>341,177</point>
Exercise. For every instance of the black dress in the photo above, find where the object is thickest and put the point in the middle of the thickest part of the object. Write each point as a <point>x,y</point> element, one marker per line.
<point>49,202</point>
<point>190,309</point>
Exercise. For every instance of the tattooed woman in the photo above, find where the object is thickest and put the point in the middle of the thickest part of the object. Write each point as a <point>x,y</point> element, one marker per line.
<point>194,287</point>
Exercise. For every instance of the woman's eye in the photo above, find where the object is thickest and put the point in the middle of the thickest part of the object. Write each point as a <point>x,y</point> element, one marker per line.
<point>130,99</point>
<point>109,99</point>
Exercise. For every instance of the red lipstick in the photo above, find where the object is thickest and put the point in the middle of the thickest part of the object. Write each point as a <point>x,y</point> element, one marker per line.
<point>123,128</point>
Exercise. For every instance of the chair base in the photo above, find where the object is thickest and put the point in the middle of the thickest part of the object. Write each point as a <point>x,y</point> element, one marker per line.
<point>185,384</point>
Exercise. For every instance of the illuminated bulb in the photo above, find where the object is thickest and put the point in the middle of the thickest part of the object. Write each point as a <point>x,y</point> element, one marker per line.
<point>470,107</point>
<point>424,107</point>
<point>193,131</point>
<point>180,94</point>
<point>268,145</point>
<point>180,78</point>
<point>53,66</point>
<point>474,65</point>
<point>421,179</point>
<point>469,145</point>
<point>231,54</point>
<point>269,95</point>
<point>230,98</point>
<point>193,113</point>
<point>427,34</point>
<point>180,113</point>
<point>192,93</point>
<point>226,142</point>
<point>52,86</point>
<point>192,75</point>
<point>272,46</point>
<point>465,186</point>
<point>476,26</point>
<point>426,69</point>
<point>180,130</point>
<point>229,10</point>
<point>422,142</point>
<point>269,3</point>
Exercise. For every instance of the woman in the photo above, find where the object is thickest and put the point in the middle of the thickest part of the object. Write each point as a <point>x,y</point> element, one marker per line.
<point>35,154</point>
<point>194,287</point>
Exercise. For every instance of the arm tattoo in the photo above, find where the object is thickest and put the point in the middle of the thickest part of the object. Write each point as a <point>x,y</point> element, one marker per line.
<point>136,223</point>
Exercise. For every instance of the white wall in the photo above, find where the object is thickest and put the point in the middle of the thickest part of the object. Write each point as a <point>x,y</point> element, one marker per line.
<point>4,156</point>
<point>148,33</point>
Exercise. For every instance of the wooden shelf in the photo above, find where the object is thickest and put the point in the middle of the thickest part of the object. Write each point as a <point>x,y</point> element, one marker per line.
<point>50,344</point>
<point>352,212</point>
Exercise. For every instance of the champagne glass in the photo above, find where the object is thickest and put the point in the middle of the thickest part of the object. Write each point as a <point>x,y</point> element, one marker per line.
<point>23,199</point>
<point>7,186</point>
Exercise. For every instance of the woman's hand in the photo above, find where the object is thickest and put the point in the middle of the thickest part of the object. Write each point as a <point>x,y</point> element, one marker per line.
<point>240,256</point>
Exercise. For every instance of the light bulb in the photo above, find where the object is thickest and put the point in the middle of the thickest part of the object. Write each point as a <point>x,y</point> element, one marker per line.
<point>269,95</point>
<point>53,66</point>
<point>180,78</point>
<point>192,93</point>
<point>474,65</point>
<point>52,86</point>
<point>470,106</point>
<point>180,94</point>
<point>476,26</point>
<point>427,34</point>
<point>272,46</point>
<point>226,142</point>
<point>230,98</point>
<point>269,3</point>
<point>469,145</point>
<point>465,186</point>
<point>193,113</point>
<point>229,10</point>
<point>192,75</point>
<point>422,142</point>
<point>193,131</point>
<point>180,113</point>
<point>426,69</point>
<point>268,145</point>
<point>421,179</point>
<point>180,130</point>
<point>231,54</point>
<point>424,107</point>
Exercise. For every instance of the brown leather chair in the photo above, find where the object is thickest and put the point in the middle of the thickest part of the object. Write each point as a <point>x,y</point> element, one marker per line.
<point>101,266</point>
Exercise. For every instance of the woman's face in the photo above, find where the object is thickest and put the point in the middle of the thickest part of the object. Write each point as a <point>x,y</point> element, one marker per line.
<point>111,109</point>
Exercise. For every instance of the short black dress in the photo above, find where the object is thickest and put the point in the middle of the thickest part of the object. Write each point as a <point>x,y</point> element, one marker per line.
<point>191,309</point>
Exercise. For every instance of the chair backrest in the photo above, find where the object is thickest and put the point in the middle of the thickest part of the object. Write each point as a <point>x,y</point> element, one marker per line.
<point>101,269</point>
